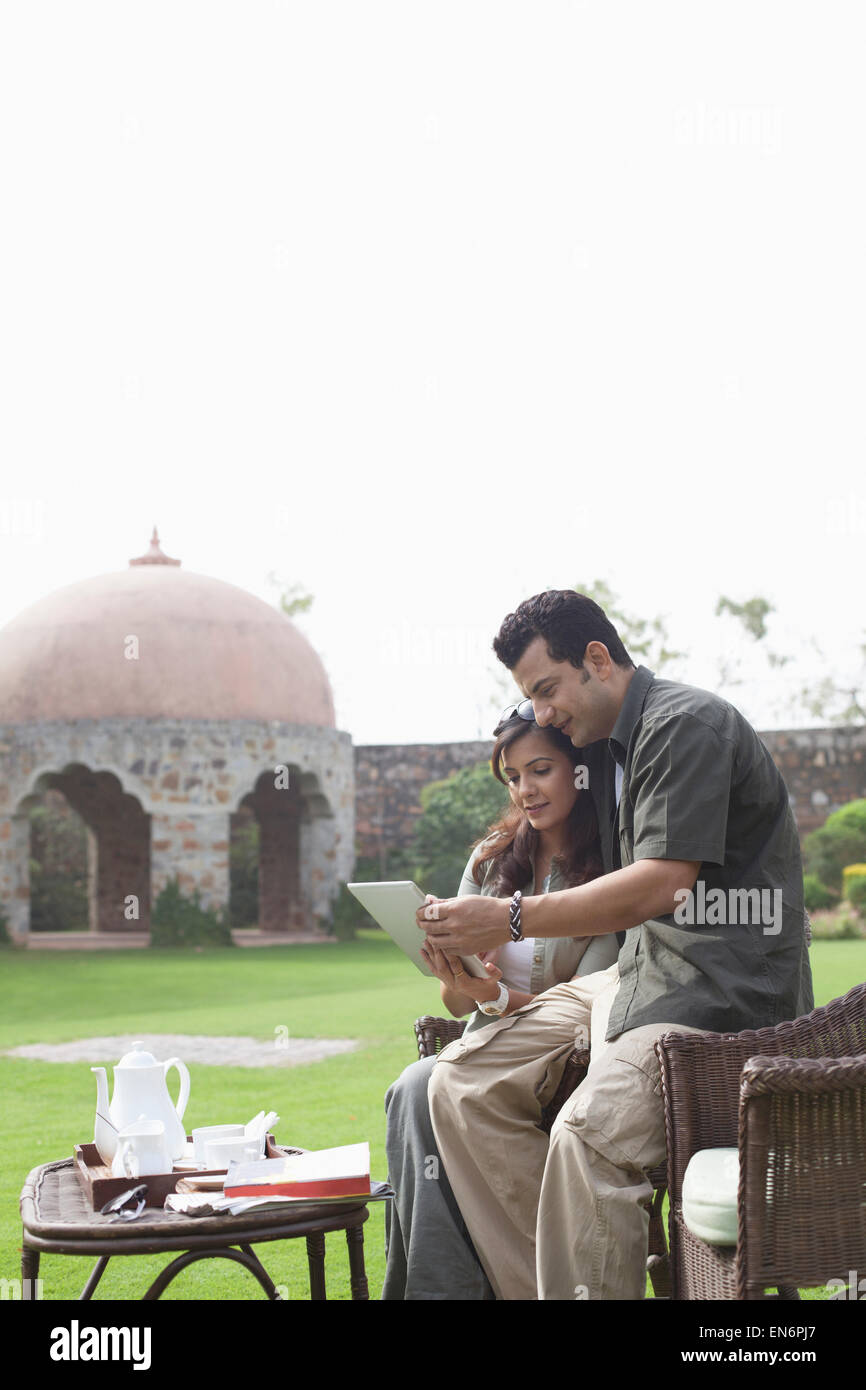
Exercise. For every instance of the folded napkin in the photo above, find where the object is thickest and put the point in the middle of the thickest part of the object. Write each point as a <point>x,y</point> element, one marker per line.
<point>258,1127</point>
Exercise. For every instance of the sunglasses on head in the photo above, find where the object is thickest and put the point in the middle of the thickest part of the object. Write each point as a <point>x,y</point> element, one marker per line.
<point>523,709</point>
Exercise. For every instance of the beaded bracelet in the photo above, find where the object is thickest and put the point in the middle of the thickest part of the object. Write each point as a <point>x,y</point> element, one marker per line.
<point>514,917</point>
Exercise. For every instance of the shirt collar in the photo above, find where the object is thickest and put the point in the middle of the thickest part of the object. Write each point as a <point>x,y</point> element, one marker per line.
<point>630,713</point>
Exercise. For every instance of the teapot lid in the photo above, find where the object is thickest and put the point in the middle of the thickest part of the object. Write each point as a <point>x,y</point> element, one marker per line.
<point>138,1058</point>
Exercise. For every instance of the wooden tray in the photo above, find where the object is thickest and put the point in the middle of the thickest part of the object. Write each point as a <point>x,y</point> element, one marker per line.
<point>100,1186</point>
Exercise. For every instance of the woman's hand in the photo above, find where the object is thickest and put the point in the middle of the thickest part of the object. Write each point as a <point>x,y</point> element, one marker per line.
<point>449,969</point>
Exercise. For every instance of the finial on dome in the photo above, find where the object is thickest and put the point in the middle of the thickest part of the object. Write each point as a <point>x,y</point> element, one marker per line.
<point>154,555</point>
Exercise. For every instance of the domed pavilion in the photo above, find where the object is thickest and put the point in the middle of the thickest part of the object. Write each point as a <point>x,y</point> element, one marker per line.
<point>163,703</point>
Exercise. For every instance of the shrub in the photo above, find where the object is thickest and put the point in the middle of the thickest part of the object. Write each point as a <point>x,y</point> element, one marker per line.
<point>816,895</point>
<point>58,870</point>
<point>57,903</point>
<point>857,892</point>
<point>347,914</point>
<point>838,925</point>
<point>840,841</point>
<point>180,921</point>
<point>5,938</point>
<point>850,874</point>
<point>455,813</point>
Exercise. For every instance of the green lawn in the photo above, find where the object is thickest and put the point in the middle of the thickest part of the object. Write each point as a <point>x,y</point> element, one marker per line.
<point>362,989</point>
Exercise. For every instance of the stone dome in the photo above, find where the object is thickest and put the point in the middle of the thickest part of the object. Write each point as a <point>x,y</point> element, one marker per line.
<point>205,650</point>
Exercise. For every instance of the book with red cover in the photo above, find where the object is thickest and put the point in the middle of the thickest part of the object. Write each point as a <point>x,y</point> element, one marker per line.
<point>319,1174</point>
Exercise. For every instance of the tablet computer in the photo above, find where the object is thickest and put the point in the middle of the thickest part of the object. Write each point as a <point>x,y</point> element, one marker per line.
<point>394,906</point>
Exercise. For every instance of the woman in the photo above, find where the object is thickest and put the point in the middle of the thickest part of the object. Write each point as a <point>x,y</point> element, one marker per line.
<point>548,837</point>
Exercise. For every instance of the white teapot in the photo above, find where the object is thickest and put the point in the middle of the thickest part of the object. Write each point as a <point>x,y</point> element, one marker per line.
<point>140,1090</point>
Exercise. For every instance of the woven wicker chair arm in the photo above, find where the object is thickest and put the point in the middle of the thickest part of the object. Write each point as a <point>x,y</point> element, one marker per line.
<point>432,1034</point>
<point>806,1076</point>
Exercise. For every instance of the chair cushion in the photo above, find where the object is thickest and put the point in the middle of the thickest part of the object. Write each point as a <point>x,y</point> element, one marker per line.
<point>710,1195</point>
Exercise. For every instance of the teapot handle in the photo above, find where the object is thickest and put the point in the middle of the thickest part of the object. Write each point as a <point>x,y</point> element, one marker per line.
<point>184,1083</point>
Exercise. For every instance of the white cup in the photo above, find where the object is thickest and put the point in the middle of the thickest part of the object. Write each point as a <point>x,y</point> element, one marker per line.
<point>219,1153</point>
<point>201,1137</point>
<point>141,1150</point>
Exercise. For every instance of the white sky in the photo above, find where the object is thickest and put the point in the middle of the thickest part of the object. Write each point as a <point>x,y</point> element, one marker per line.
<point>432,306</point>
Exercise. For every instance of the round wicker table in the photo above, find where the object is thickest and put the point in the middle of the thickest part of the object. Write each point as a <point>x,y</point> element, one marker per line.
<point>58,1220</point>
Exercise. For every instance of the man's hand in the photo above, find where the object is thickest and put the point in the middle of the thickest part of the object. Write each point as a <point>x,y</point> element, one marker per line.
<point>464,926</point>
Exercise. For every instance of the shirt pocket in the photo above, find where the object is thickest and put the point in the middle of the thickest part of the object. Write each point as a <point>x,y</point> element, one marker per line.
<point>626,844</point>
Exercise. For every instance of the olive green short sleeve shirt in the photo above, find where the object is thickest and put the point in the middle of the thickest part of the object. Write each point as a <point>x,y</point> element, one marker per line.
<point>698,784</point>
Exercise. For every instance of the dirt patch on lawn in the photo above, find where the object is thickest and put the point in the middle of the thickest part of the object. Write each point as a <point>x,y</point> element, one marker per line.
<point>279,1051</point>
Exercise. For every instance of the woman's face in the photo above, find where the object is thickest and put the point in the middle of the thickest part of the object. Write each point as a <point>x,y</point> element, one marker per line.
<point>540,779</point>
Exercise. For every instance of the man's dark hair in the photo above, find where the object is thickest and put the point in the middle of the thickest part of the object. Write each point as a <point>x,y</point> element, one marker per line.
<point>567,621</point>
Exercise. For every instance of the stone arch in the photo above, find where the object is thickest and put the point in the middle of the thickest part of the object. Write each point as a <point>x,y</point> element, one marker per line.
<point>316,804</point>
<point>283,806</point>
<point>118,843</point>
<point>62,763</point>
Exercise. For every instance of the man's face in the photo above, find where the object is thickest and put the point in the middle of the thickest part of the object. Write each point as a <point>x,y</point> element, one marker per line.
<point>576,700</point>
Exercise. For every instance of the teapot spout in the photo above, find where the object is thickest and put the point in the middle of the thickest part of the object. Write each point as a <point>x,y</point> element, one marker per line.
<point>104,1132</point>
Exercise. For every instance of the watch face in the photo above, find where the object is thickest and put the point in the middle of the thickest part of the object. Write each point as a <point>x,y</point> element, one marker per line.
<point>497,1006</point>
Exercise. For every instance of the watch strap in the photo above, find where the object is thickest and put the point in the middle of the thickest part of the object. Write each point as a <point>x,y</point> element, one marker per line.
<point>495,1008</point>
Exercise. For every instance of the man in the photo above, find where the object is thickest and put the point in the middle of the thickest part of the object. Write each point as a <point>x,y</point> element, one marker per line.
<point>706,883</point>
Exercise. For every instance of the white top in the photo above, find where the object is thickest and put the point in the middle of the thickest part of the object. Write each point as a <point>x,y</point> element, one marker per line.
<point>515,962</point>
<point>515,958</point>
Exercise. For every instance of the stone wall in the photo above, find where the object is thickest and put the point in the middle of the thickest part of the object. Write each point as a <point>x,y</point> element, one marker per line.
<point>182,779</point>
<point>388,783</point>
<point>822,768</point>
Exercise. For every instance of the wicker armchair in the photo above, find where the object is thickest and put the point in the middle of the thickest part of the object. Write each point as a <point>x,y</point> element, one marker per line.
<point>432,1034</point>
<point>792,1099</point>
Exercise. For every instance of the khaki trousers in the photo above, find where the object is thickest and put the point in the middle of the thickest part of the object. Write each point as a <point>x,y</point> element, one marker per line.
<point>585,1190</point>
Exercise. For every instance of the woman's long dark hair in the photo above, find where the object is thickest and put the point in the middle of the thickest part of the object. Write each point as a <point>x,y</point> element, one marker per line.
<point>512,841</point>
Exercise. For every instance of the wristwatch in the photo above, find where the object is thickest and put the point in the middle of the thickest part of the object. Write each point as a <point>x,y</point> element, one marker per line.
<point>495,1007</point>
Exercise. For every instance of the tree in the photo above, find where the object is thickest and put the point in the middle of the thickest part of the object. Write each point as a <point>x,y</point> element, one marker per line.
<point>455,813</point>
<point>752,614</point>
<point>840,841</point>
<point>749,618</point>
<point>830,700</point>
<point>293,598</point>
<point>645,639</point>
